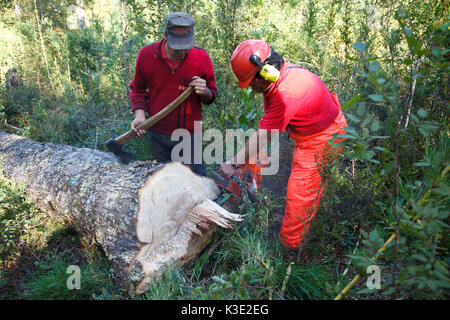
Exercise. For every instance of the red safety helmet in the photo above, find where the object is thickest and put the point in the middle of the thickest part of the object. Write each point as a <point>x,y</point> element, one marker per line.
<point>240,60</point>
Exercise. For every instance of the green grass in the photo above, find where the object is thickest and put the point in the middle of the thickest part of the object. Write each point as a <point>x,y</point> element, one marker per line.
<point>36,251</point>
<point>243,263</point>
<point>49,281</point>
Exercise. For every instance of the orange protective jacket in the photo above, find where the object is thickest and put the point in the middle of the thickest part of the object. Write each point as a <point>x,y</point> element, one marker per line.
<point>301,102</point>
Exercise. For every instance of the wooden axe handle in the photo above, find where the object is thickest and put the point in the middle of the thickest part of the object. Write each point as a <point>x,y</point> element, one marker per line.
<point>127,136</point>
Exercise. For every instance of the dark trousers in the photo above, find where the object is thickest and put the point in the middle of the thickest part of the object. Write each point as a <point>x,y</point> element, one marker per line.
<point>162,146</point>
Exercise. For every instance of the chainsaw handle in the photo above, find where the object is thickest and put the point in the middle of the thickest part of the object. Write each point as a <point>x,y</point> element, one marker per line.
<point>219,179</point>
<point>129,135</point>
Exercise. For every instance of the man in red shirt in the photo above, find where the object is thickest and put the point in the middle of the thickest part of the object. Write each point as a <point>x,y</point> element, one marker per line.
<point>295,100</point>
<point>163,71</point>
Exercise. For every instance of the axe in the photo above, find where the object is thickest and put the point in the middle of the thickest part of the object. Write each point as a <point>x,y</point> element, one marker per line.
<point>115,144</point>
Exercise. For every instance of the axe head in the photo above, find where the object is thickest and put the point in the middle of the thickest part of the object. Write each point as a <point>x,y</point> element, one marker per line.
<point>123,156</point>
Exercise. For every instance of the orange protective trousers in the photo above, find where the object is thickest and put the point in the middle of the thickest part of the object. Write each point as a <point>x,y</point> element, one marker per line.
<point>306,183</point>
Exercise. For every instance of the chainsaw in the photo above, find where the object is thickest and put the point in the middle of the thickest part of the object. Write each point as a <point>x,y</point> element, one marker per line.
<point>246,180</point>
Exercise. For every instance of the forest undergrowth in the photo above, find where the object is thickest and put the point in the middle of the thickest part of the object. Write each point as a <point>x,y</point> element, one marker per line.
<point>388,61</point>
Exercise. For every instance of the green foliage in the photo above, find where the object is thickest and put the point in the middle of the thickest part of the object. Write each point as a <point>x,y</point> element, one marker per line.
<point>387,61</point>
<point>15,214</point>
<point>246,115</point>
<point>419,189</point>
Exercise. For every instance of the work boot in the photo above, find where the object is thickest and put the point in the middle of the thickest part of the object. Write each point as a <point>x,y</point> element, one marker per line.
<point>274,229</point>
<point>296,254</point>
<point>293,255</point>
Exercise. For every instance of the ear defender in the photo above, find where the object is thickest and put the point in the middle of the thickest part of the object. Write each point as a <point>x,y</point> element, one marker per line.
<point>266,71</point>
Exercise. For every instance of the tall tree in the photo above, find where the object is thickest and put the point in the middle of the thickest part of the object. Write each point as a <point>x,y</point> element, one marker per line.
<point>38,21</point>
<point>126,53</point>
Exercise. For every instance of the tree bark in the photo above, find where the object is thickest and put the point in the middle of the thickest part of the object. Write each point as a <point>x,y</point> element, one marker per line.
<point>146,216</point>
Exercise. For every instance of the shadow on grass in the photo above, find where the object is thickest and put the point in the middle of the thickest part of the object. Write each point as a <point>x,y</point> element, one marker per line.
<point>43,274</point>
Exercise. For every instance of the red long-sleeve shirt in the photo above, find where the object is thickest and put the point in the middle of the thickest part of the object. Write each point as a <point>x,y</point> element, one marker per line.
<point>298,99</point>
<point>156,84</point>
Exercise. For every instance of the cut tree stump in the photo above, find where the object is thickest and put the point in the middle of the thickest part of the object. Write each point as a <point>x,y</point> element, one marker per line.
<point>146,216</point>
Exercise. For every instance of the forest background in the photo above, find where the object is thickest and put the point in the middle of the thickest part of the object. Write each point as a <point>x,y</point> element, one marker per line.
<point>387,60</point>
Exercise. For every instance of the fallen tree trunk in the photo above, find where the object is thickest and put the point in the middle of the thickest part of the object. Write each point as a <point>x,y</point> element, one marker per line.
<point>146,216</point>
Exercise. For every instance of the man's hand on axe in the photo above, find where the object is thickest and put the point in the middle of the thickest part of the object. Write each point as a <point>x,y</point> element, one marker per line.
<point>139,117</point>
<point>200,88</point>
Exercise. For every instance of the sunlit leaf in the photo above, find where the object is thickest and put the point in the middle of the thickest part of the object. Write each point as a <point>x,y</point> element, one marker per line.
<point>422,164</point>
<point>376,97</point>
<point>351,102</point>
<point>352,118</point>
<point>374,66</point>
<point>375,125</point>
<point>361,109</point>
<point>421,113</point>
<point>360,46</point>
